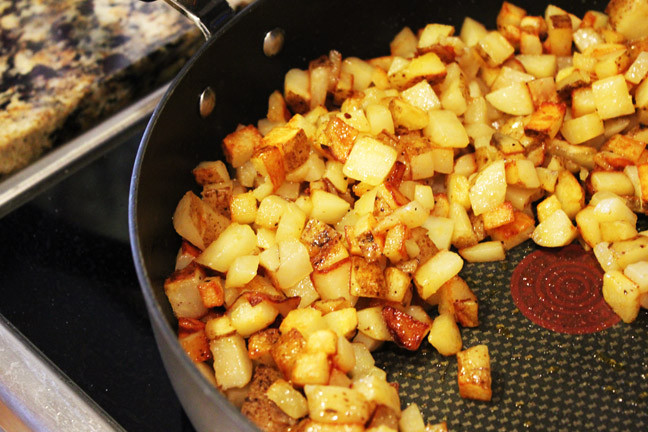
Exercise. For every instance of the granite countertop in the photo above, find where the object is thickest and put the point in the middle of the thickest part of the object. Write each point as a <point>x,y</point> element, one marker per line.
<point>67,64</point>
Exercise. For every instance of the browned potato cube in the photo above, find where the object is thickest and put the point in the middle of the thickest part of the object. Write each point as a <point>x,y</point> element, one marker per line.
<point>181,289</point>
<point>546,120</point>
<point>197,222</point>
<point>474,373</point>
<point>337,139</point>
<point>514,233</point>
<point>293,144</point>
<point>367,279</point>
<point>269,160</point>
<point>196,345</point>
<point>240,145</point>
<point>406,331</point>
<point>286,349</point>
<point>212,292</point>
<point>625,146</point>
<point>457,299</point>
<point>260,345</point>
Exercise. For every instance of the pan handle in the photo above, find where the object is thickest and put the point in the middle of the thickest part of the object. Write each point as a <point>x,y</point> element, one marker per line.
<point>207,15</point>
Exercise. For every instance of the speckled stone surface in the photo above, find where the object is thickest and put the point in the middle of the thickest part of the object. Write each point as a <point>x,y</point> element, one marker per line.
<point>67,64</point>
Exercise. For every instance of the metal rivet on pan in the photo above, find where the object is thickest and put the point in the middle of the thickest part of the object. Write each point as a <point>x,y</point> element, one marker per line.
<point>207,102</point>
<point>273,42</point>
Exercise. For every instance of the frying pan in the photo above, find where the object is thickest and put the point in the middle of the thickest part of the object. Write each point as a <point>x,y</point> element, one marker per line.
<point>538,374</point>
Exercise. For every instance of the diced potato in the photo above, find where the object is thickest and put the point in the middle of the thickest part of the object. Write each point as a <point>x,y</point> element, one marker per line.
<point>583,128</point>
<point>333,283</point>
<point>489,189</point>
<point>556,231</point>
<point>638,273</point>
<point>311,368</point>
<point>297,90</point>
<point>628,17</point>
<point>611,97</point>
<point>411,419</point>
<point>379,391</point>
<point>445,130</point>
<point>369,161</point>
<point>241,271</point>
<point>514,99</point>
<point>612,181</point>
<point>431,275</point>
<point>197,222</point>
<point>372,323</point>
<point>445,335</point>
<point>248,319</point>
<point>484,252</point>
<point>343,322</point>
<point>404,43</point>
<point>474,374</point>
<point>622,294</point>
<point>288,399</point>
<point>232,366</point>
<point>329,404</point>
<point>181,288</point>
<point>495,48</point>
<point>240,145</point>
<point>294,264</point>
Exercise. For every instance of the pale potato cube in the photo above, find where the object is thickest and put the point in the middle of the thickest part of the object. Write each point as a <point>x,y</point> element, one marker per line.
<point>540,66</point>
<point>248,319</point>
<point>411,419</point>
<point>407,116</point>
<point>334,283</point>
<point>546,207</point>
<point>241,271</point>
<point>327,207</point>
<point>612,209</point>
<point>294,264</point>
<point>615,231</point>
<point>638,273</point>
<point>474,373</point>
<point>440,230</point>
<point>404,43</point>
<point>472,31</point>
<point>446,130</point>
<point>589,227</point>
<point>612,181</point>
<point>307,321</point>
<point>329,404</point>
<point>583,128</point>
<point>270,210</point>
<point>343,321</point>
<point>422,96</point>
<point>484,252</point>
<point>345,358</point>
<point>514,99</point>
<point>630,251</point>
<point>495,48</point>
<point>432,274</point>
<point>370,161</point>
<point>489,188</point>
<point>379,391</point>
<point>628,17</point>
<point>379,118</point>
<point>556,231</point>
<point>639,69</point>
<point>235,241</point>
<point>570,193</point>
<point>372,323</point>
<point>622,294</point>
<point>311,368</point>
<point>288,399</point>
<point>445,335</point>
<point>232,366</point>
<point>219,326</point>
<point>612,97</point>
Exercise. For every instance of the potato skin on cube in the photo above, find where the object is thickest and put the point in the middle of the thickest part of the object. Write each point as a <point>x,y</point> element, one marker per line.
<point>474,373</point>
